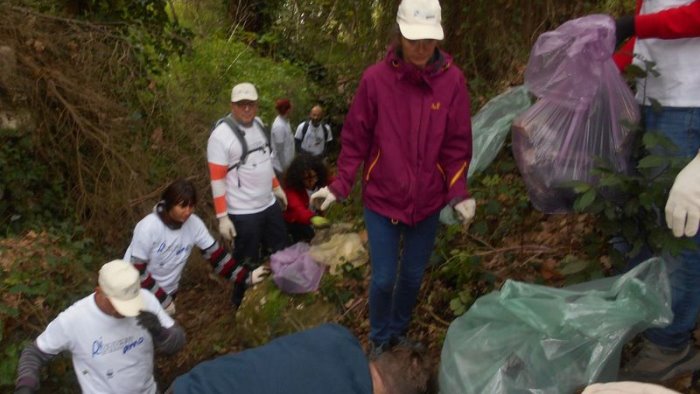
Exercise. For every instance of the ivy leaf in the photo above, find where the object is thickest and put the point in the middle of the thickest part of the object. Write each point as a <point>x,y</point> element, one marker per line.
<point>585,200</point>
<point>652,162</point>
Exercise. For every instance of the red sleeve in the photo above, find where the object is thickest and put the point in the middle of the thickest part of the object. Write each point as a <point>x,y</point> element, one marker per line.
<point>297,207</point>
<point>679,22</point>
<point>623,57</point>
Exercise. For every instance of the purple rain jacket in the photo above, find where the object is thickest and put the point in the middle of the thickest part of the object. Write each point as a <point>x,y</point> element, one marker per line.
<point>412,130</point>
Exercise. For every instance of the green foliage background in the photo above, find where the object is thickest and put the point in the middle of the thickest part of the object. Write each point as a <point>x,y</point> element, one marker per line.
<point>168,78</point>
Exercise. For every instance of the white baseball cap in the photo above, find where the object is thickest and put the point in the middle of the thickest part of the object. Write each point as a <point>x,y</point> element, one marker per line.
<point>119,282</point>
<point>420,19</point>
<point>244,91</point>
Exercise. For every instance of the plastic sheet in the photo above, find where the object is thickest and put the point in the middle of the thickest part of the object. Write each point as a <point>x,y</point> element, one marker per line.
<point>294,270</point>
<point>491,125</point>
<point>584,112</point>
<point>340,249</point>
<point>534,339</point>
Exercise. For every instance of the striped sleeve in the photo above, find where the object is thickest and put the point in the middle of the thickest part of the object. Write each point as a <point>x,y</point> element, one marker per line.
<point>224,264</point>
<point>29,366</point>
<point>150,284</point>
<point>218,161</point>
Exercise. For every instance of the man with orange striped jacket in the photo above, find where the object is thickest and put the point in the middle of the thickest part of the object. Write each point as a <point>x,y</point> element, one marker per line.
<point>243,183</point>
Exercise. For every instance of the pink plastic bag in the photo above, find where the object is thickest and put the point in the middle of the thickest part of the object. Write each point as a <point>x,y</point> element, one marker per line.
<point>294,271</point>
<point>584,111</point>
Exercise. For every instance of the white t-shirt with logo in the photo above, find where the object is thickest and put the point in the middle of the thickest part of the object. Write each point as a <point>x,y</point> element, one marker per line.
<point>165,249</point>
<point>315,140</point>
<point>110,355</point>
<point>249,185</point>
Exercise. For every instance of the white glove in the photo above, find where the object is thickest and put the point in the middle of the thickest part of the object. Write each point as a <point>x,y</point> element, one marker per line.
<point>626,388</point>
<point>466,209</point>
<point>258,275</point>
<point>683,205</point>
<point>170,309</point>
<point>226,228</point>
<point>281,197</point>
<point>328,197</point>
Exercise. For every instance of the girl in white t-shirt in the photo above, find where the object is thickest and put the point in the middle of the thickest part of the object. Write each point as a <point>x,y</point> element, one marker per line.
<point>163,241</point>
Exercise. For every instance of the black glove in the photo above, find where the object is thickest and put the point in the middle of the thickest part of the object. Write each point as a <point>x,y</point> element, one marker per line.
<point>24,390</point>
<point>624,29</point>
<point>150,322</point>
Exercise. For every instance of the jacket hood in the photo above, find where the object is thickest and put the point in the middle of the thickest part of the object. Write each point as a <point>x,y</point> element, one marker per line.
<point>438,64</point>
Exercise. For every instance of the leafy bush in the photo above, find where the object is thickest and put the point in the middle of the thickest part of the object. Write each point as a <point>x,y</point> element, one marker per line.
<point>30,194</point>
<point>40,275</point>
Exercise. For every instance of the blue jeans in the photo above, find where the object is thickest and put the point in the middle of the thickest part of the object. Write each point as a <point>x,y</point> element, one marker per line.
<point>391,299</point>
<point>682,126</point>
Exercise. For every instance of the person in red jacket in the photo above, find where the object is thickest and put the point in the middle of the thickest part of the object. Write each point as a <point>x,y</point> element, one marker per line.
<point>305,175</point>
<point>409,126</point>
<point>667,32</point>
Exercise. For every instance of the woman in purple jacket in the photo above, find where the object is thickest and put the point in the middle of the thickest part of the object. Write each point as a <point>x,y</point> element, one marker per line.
<point>410,127</point>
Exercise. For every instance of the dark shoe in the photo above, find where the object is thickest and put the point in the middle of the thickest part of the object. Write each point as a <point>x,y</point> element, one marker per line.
<point>237,294</point>
<point>654,363</point>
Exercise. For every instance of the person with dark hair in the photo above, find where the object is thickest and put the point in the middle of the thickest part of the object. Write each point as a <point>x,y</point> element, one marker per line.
<point>325,359</point>
<point>281,138</point>
<point>111,334</point>
<point>409,126</point>
<point>305,175</point>
<point>163,241</point>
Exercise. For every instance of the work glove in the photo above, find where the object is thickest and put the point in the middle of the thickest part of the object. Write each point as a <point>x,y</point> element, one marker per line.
<point>328,197</point>
<point>466,209</point>
<point>626,388</point>
<point>320,222</point>
<point>150,322</point>
<point>257,275</point>
<point>624,29</point>
<point>683,205</point>
<point>170,309</point>
<point>281,197</point>
<point>226,228</point>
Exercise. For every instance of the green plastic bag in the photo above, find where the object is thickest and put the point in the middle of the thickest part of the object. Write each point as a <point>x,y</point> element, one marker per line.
<point>535,339</point>
<point>490,126</point>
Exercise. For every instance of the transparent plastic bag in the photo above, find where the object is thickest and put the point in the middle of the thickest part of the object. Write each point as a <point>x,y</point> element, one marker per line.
<point>491,125</point>
<point>294,270</point>
<point>534,339</point>
<point>585,112</point>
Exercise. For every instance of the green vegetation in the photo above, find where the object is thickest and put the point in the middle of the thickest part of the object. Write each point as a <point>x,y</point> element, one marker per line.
<point>124,94</point>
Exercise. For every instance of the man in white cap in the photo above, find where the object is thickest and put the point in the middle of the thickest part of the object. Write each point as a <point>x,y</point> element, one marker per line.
<point>111,335</point>
<point>245,187</point>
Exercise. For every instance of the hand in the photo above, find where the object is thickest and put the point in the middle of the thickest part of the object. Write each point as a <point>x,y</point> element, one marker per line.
<point>326,195</point>
<point>258,275</point>
<point>466,209</point>
<point>281,197</point>
<point>683,205</point>
<point>226,228</point>
<point>627,388</point>
<point>624,29</point>
<point>150,322</point>
<point>170,309</point>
